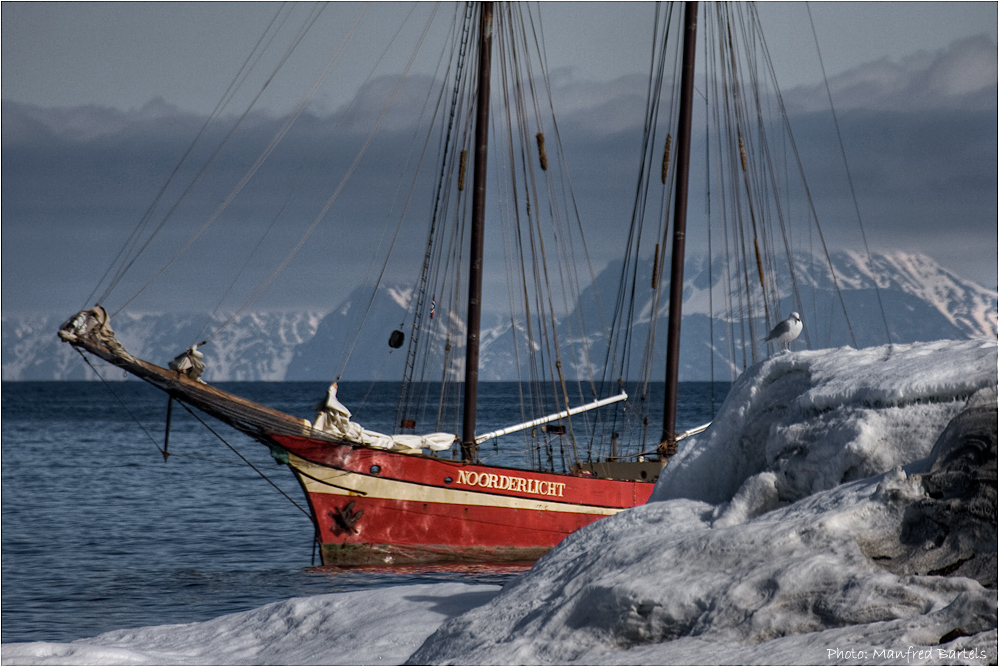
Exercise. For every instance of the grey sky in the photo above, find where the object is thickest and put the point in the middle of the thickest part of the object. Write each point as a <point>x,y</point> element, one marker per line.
<point>123,54</point>
<point>914,84</point>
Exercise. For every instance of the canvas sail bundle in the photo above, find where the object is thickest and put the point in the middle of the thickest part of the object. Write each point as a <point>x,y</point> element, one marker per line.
<point>334,419</point>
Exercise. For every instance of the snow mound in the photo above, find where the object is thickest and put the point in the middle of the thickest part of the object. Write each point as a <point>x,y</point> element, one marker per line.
<point>803,422</point>
<point>774,555</point>
<point>372,627</point>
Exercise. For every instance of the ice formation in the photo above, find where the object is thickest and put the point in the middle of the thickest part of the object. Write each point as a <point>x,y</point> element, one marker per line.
<point>798,526</point>
<point>371,627</point>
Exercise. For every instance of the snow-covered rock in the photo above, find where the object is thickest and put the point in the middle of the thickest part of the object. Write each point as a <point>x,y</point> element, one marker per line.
<point>795,530</point>
<point>809,421</point>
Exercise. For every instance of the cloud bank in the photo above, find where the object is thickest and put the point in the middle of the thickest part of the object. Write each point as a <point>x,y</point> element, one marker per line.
<point>920,136</point>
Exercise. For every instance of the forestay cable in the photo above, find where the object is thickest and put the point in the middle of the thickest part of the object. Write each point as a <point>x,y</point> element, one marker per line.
<point>310,22</point>
<point>849,177</point>
<point>275,140</point>
<point>234,85</point>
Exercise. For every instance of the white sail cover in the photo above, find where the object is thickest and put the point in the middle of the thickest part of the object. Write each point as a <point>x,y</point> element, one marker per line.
<point>191,362</point>
<point>334,419</point>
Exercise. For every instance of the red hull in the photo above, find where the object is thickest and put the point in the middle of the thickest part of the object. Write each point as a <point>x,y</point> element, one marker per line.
<point>376,506</point>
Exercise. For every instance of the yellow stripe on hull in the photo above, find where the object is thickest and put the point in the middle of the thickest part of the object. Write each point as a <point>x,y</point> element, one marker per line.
<point>322,479</point>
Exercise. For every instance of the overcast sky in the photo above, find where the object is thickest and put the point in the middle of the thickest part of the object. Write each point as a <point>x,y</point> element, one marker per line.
<point>124,54</point>
<point>100,99</point>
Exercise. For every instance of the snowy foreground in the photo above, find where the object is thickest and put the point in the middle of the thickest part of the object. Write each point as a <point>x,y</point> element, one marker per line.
<point>840,510</point>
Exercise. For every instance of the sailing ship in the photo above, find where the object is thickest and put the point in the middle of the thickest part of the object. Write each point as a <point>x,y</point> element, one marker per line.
<point>404,498</point>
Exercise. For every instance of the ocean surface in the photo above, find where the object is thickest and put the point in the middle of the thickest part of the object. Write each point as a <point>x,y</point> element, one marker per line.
<point>99,533</point>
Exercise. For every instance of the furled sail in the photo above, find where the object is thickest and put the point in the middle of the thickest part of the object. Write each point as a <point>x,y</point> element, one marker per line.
<point>93,325</point>
<point>334,419</point>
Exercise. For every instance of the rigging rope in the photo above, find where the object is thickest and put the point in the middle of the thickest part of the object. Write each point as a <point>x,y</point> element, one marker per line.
<point>312,228</point>
<point>203,171</point>
<point>398,228</point>
<point>163,451</point>
<point>711,259</point>
<point>329,202</point>
<point>849,177</point>
<point>442,182</point>
<point>247,461</point>
<point>130,413</point>
<point>808,195</point>
<point>621,343</point>
<point>234,85</point>
<point>275,140</point>
<point>288,123</point>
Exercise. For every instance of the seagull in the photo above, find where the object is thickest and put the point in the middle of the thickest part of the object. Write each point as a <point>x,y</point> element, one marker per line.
<point>786,331</point>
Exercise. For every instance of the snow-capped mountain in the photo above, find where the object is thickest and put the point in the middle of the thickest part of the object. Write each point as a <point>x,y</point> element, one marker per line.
<point>968,307</point>
<point>921,301</point>
<point>344,347</point>
<point>255,346</point>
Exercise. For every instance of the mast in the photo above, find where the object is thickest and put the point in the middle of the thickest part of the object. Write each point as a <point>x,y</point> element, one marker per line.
<point>469,449</point>
<point>667,445</point>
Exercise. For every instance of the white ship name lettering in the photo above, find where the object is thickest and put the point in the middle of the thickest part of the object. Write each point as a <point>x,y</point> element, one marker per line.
<point>507,483</point>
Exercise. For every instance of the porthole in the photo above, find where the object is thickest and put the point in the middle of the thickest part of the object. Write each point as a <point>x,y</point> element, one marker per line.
<point>375,469</point>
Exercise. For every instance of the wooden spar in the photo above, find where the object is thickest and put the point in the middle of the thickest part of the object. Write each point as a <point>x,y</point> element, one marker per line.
<point>166,435</point>
<point>552,417</point>
<point>468,447</point>
<point>667,445</point>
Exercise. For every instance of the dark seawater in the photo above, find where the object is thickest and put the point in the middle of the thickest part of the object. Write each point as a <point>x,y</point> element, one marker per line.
<point>98,533</point>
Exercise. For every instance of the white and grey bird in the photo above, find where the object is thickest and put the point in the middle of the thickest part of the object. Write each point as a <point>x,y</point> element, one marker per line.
<point>786,331</point>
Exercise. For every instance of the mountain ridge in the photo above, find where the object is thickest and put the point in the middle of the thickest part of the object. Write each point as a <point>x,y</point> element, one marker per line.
<point>921,300</point>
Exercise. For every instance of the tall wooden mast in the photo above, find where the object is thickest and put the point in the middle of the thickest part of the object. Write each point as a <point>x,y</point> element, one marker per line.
<point>667,445</point>
<point>468,447</point>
